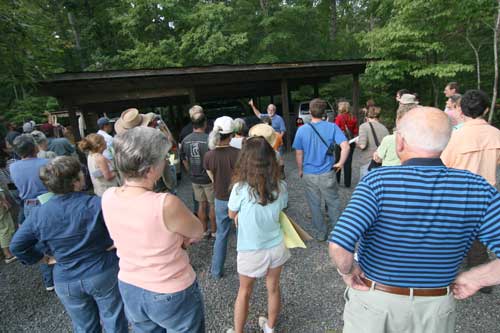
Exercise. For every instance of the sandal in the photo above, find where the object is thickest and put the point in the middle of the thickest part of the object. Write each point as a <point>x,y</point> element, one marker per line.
<point>10,259</point>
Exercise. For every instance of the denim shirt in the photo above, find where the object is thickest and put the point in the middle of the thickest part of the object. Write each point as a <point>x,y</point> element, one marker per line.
<point>71,227</point>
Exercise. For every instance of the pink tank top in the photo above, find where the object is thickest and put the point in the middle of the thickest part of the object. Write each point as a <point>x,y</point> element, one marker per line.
<point>151,257</point>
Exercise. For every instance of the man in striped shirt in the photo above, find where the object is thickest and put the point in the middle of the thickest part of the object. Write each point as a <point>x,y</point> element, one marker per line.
<point>414,224</point>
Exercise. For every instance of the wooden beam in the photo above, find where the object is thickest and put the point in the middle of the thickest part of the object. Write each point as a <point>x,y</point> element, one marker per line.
<point>285,107</point>
<point>355,95</point>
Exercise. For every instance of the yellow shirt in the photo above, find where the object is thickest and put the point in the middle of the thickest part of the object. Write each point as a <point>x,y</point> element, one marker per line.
<point>474,147</point>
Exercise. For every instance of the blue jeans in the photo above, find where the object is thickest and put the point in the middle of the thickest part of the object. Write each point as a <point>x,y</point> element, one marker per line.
<point>318,187</point>
<point>93,299</point>
<point>220,246</point>
<point>153,312</point>
<point>45,269</point>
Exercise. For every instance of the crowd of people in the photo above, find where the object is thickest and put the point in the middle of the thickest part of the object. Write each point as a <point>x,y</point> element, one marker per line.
<point>426,199</point>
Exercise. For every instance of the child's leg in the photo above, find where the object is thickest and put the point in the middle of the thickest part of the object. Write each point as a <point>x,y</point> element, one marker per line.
<point>273,295</point>
<point>242,300</point>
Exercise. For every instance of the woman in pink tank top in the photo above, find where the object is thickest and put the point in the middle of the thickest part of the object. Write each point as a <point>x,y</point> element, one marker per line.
<point>150,231</point>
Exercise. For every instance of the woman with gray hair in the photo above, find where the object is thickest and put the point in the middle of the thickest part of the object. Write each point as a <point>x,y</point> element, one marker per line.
<point>240,133</point>
<point>150,231</point>
<point>43,145</point>
<point>71,228</point>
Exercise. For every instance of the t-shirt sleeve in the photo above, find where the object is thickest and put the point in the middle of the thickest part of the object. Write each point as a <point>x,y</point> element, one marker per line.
<point>206,161</point>
<point>183,150</point>
<point>363,137</point>
<point>489,232</point>
<point>360,214</point>
<point>339,136</point>
<point>297,142</point>
<point>235,198</point>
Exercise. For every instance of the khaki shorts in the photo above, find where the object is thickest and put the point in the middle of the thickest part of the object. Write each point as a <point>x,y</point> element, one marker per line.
<point>255,264</point>
<point>204,192</point>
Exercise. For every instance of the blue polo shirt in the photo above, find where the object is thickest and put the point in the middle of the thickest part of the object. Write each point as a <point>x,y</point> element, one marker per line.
<point>25,174</point>
<point>72,228</point>
<point>278,124</point>
<point>416,222</point>
<point>316,161</point>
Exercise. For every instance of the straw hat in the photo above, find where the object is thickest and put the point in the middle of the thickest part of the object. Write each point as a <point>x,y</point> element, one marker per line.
<point>265,131</point>
<point>131,118</point>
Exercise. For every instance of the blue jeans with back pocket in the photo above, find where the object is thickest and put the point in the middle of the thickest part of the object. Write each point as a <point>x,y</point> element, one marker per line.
<point>151,312</point>
<point>90,300</point>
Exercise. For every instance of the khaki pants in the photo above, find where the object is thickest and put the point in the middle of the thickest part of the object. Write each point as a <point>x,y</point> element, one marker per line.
<point>380,312</point>
<point>7,228</point>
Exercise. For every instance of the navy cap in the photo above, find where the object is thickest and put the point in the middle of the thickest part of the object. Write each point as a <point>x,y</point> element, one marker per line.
<point>102,121</point>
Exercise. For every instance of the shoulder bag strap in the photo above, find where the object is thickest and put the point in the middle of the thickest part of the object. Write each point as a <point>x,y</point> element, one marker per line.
<point>374,135</point>
<point>319,135</point>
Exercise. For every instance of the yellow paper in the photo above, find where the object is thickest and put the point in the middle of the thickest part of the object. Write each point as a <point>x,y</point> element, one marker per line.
<point>291,237</point>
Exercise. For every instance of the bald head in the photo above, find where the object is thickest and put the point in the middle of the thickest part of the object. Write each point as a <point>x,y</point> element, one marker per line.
<point>425,130</point>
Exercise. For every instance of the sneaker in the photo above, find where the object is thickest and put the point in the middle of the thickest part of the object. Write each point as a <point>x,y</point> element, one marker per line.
<point>206,234</point>
<point>230,330</point>
<point>263,324</point>
<point>11,259</point>
<point>213,235</point>
<point>49,288</point>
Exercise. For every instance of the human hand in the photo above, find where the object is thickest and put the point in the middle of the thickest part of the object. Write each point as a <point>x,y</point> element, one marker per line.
<point>376,157</point>
<point>338,166</point>
<point>48,260</point>
<point>465,285</point>
<point>301,173</point>
<point>236,220</point>
<point>250,102</point>
<point>353,279</point>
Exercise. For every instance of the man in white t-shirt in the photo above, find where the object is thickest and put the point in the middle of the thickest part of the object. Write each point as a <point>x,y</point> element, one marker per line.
<point>105,129</point>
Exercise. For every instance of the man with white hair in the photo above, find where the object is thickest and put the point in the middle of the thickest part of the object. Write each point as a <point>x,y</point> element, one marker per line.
<point>414,224</point>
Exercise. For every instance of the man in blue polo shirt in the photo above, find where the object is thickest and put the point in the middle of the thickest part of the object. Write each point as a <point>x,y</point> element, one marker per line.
<point>315,157</point>
<point>25,175</point>
<point>414,224</point>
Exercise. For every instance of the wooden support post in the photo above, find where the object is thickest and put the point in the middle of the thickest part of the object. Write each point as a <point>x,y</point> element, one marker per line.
<point>355,95</point>
<point>316,90</point>
<point>285,107</point>
<point>73,121</point>
<point>192,97</point>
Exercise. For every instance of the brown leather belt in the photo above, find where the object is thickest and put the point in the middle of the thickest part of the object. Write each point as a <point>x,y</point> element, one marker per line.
<point>406,291</point>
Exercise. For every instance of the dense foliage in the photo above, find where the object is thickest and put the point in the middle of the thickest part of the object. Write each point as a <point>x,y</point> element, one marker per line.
<point>420,44</point>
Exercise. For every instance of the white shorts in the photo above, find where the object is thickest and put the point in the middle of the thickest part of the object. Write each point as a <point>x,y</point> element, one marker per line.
<point>256,263</point>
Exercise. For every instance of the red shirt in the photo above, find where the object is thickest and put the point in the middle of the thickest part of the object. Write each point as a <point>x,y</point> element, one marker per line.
<point>345,119</point>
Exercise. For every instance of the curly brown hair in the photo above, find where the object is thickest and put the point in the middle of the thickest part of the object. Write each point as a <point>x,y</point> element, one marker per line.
<point>258,166</point>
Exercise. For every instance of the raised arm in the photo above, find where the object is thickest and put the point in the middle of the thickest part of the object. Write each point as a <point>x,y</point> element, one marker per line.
<point>254,109</point>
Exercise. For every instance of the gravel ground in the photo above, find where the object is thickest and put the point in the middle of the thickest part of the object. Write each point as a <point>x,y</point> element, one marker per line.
<point>311,289</point>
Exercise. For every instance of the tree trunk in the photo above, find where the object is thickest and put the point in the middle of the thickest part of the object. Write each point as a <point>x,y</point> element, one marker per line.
<point>476,54</point>
<point>333,19</point>
<point>495,52</point>
<point>76,34</point>
<point>264,5</point>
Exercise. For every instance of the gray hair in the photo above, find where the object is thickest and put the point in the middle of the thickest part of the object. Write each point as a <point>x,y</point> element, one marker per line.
<point>39,137</point>
<point>240,127</point>
<point>138,150</point>
<point>60,174</point>
<point>426,128</point>
<point>24,146</point>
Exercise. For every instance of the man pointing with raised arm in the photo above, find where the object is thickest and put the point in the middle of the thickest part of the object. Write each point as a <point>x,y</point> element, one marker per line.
<point>414,224</point>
